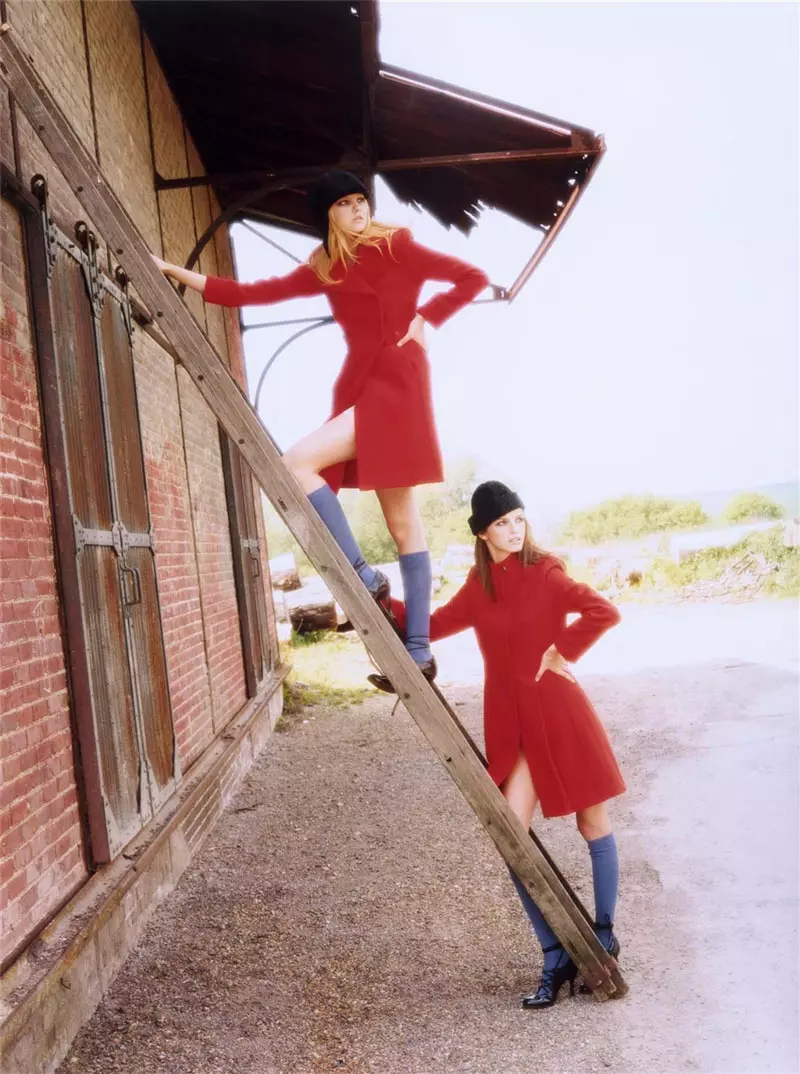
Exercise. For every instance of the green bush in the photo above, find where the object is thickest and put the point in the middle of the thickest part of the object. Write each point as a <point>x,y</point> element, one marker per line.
<point>750,507</point>
<point>631,516</point>
<point>711,563</point>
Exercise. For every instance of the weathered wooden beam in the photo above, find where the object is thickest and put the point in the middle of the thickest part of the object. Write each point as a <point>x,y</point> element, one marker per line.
<point>237,417</point>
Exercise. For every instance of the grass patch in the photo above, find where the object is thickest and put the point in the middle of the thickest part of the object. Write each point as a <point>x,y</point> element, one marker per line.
<point>327,669</point>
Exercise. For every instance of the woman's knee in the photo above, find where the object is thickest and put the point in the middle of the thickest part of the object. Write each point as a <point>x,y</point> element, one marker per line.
<point>593,822</point>
<point>405,527</point>
<point>400,528</point>
<point>298,461</point>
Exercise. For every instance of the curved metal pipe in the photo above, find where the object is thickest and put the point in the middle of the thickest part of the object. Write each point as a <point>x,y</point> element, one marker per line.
<point>309,328</point>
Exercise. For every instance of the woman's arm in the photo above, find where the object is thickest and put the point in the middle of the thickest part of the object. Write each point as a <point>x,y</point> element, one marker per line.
<point>468,282</point>
<point>196,281</point>
<point>597,615</point>
<point>223,292</point>
<point>451,618</point>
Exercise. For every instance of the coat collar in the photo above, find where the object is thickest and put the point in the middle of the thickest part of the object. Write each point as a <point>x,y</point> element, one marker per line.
<point>358,276</point>
<point>508,565</point>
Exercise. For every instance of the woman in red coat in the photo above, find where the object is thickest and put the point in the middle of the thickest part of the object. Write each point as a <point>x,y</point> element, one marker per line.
<point>544,742</point>
<point>381,434</point>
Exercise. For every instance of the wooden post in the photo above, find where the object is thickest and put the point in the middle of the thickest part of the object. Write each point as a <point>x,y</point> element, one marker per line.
<point>237,417</point>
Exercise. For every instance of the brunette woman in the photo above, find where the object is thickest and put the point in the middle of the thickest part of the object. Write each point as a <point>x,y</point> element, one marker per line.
<point>544,742</point>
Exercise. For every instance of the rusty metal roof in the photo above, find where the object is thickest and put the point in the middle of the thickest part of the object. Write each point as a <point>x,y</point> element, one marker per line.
<point>273,92</point>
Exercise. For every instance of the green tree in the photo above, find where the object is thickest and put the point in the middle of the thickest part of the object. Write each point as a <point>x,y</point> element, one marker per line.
<point>630,517</point>
<point>749,506</point>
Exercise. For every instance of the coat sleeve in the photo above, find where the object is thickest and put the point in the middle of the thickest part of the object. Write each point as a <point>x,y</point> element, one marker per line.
<point>596,614</point>
<point>468,282</point>
<point>297,284</point>
<point>451,618</point>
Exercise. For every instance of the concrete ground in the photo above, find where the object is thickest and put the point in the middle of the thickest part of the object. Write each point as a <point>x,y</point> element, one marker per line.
<point>349,913</point>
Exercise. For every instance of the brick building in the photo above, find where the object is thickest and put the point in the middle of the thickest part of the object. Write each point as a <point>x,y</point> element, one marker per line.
<point>118,673</point>
<point>139,667</point>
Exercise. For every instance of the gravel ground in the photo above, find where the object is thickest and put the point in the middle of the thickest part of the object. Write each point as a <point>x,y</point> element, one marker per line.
<point>348,913</point>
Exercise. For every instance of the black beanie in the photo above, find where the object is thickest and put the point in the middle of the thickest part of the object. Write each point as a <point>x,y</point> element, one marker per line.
<point>491,501</point>
<point>326,191</point>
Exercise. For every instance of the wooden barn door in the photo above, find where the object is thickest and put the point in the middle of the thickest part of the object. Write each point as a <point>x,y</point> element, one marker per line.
<point>246,548</point>
<point>106,547</point>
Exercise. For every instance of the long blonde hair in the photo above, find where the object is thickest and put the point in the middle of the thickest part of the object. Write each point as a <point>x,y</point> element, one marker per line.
<point>528,554</point>
<point>343,246</point>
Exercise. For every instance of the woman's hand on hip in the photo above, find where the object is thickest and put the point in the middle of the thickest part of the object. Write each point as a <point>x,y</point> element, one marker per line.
<point>552,660</point>
<point>416,331</point>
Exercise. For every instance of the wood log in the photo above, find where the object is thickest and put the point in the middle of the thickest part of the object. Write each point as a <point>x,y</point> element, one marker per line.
<point>311,608</point>
<point>306,618</point>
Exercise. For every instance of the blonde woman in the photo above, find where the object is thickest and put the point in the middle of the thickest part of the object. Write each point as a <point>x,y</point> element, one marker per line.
<point>381,434</point>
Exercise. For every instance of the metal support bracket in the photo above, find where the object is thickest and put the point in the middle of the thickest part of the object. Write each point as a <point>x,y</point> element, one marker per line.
<point>127,313</point>
<point>49,231</point>
<point>91,271</point>
<point>118,537</point>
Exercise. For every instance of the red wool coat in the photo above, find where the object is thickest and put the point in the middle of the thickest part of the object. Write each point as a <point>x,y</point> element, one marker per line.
<point>374,302</point>
<point>552,721</point>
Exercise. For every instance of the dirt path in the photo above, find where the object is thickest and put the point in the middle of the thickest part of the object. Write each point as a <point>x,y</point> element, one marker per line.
<point>349,913</point>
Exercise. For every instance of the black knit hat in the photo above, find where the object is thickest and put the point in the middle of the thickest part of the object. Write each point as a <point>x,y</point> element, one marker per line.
<point>491,501</point>
<point>326,191</point>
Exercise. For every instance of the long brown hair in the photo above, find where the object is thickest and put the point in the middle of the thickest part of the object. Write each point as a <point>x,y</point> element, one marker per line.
<point>528,554</point>
<point>343,246</point>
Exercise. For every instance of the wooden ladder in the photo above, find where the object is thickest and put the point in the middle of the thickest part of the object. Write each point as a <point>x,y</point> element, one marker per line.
<point>455,749</point>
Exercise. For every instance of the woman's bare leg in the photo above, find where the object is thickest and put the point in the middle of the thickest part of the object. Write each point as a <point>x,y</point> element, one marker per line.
<point>520,792</point>
<point>403,520</point>
<point>593,823</point>
<point>333,442</point>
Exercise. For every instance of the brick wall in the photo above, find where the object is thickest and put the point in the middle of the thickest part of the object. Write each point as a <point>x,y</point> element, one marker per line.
<point>213,549</point>
<point>201,201</point>
<point>53,35</point>
<point>120,103</point>
<point>41,860</point>
<point>178,578</point>
<point>169,147</point>
<point>222,243</point>
<point>93,59</point>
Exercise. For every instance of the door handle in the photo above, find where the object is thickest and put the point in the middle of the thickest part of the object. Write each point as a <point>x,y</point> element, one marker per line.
<point>136,598</point>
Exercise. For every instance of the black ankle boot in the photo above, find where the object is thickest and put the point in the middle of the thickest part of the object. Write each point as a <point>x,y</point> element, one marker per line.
<point>382,682</point>
<point>380,591</point>
<point>611,945</point>
<point>550,985</point>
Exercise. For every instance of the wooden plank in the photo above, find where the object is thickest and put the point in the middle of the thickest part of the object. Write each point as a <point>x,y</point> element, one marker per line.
<point>240,421</point>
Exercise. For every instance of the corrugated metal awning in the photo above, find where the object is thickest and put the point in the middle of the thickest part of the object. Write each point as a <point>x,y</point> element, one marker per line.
<point>275,92</point>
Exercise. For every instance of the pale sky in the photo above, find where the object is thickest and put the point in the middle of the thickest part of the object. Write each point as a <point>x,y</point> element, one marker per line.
<point>655,349</point>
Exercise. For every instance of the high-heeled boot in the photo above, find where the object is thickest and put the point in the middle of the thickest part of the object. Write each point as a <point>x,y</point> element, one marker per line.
<point>611,944</point>
<point>550,985</point>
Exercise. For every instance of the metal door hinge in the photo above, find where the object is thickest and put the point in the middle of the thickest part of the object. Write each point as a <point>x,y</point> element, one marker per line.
<point>49,230</point>
<point>91,271</point>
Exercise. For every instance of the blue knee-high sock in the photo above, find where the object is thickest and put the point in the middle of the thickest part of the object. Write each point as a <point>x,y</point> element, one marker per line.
<point>544,934</point>
<point>605,875</point>
<point>327,506</point>
<point>415,569</point>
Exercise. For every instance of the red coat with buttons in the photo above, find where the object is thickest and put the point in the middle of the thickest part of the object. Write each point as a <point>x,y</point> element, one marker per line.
<point>551,721</point>
<point>374,302</point>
